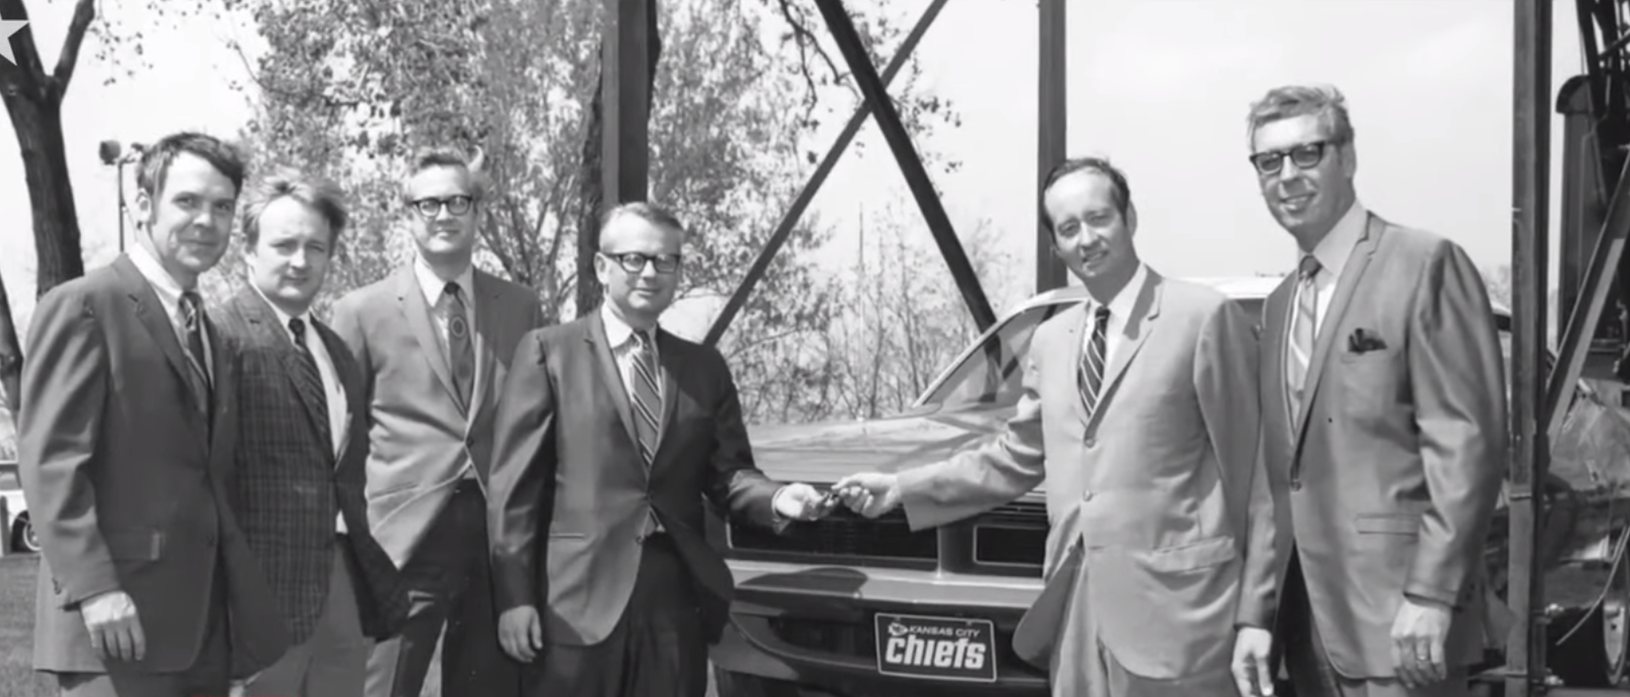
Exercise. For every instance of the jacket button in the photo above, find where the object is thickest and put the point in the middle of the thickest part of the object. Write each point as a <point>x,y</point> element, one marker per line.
<point>639,539</point>
<point>1086,495</point>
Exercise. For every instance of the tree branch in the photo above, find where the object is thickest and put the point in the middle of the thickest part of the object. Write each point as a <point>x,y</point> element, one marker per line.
<point>806,41</point>
<point>84,13</point>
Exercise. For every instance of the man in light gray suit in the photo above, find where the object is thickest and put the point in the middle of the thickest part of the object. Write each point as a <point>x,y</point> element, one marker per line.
<point>1139,409</point>
<point>434,341</point>
<point>1384,423</point>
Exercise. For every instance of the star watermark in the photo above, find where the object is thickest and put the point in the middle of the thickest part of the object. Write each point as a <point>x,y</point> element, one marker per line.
<point>7,28</point>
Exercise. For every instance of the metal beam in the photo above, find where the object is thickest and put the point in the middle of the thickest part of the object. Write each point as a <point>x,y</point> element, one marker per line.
<point>625,145</point>
<point>905,154</point>
<point>1530,184</point>
<point>1586,315</point>
<point>789,221</point>
<point>1051,146</point>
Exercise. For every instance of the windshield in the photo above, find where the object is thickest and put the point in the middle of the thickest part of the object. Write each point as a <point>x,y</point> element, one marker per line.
<point>993,375</point>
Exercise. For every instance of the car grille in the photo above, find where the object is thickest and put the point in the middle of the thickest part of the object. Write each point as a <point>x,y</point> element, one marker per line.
<point>1012,535</point>
<point>842,534</point>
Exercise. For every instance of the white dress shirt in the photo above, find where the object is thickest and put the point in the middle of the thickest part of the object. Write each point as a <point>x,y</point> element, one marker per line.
<point>339,410</point>
<point>1120,308</point>
<point>169,295</point>
<point>620,337</point>
<point>1332,253</point>
<point>434,288</point>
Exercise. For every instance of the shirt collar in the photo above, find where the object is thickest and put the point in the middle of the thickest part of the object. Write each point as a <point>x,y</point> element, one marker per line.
<point>1121,305</point>
<point>284,317</point>
<point>433,286</point>
<point>617,331</point>
<point>1333,251</point>
<point>168,289</point>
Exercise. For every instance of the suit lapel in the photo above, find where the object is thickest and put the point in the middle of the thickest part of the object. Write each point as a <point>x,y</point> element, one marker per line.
<point>350,380</point>
<point>1074,345</point>
<point>668,356</point>
<point>1135,332</point>
<point>486,320</point>
<point>1329,327</point>
<point>411,299</point>
<point>223,393</point>
<point>600,347</point>
<point>272,335</point>
<point>150,314</point>
<point>1275,316</point>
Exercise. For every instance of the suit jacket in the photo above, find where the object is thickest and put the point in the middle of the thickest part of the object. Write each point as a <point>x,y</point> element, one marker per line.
<point>1390,473</point>
<point>125,471</point>
<point>1159,492</point>
<point>420,438</point>
<point>289,486</point>
<point>569,484</point>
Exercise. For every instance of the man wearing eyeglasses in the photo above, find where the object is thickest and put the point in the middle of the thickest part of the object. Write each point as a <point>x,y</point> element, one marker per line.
<point>1384,424</point>
<point>610,435</point>
<point>434,342</point>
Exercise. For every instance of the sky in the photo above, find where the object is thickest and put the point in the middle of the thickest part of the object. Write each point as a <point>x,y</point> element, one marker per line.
<point>1162,87</point>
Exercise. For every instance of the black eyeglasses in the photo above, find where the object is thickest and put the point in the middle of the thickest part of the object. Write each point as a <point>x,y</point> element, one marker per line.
<point>634,262</point>
<point>431,207</point>
<point>1306,156</point>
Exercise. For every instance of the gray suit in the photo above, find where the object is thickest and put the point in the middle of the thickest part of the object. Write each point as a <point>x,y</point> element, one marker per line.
<point>1161,523</point>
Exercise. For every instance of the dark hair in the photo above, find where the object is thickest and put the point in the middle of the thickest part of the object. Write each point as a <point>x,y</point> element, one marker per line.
<point>652,213</point>
<point>323,195</point>
<point>1119,192</point>
<point>440,156</point>
<point>156,160</point>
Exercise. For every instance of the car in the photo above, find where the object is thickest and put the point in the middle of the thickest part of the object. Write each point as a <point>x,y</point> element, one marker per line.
<point>854,606</point>
<point>22,537</point>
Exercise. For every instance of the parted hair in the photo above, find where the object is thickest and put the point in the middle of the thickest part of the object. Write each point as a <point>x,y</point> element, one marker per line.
<point>652,213</point>
<point>318,192</point>
<point>444,156</point>
<point>1324,101</point>
<point>1120,192</point>
<point>156,160</point>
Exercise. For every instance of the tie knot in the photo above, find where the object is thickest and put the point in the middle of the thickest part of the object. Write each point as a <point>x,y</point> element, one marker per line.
<point>1101,314</point>
<point>298,327</point>
<point>190,299</point>
<point>451,289</point>
<point>642,340</point>
<point>1309,267</point>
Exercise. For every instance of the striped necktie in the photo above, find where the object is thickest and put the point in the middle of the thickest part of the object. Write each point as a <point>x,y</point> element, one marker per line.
<point>647,403</point>
<point>1302,333</point>
<point>1090,375</point>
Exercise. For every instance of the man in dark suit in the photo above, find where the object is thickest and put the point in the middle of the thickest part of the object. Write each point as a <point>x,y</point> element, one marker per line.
<point>126,435</point>
<point>434,341</point>
<point>302,442</point>
<point>1138,410</point>
<point>610,434</point>
<point>1384,423</point>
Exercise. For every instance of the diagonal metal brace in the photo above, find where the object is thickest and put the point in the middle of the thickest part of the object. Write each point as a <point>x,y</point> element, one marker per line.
<point>1587,315</point>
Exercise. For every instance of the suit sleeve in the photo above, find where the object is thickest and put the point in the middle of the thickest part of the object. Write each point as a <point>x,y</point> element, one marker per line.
<point>64,388</point>
<point>736,485</point>
<point>1225,380</point>
<point>979,480</point>
<point>521,485</point>
<point>1458,385</point>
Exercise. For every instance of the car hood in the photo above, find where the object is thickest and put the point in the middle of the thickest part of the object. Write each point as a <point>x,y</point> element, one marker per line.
<point>824,452</point>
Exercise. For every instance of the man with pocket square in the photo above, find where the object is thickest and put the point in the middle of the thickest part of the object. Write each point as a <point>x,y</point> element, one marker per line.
<point>1139,409</point>
<point>1384,425</point>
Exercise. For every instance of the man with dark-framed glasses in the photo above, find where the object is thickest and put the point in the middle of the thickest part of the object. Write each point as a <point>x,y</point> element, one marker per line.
<point>434,342</point>
<point>610,435</point>
<point>1383,425</point>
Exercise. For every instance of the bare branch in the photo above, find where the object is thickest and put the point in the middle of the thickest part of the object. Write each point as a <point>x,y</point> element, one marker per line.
<point>807,41</point>
<point>84,12</point>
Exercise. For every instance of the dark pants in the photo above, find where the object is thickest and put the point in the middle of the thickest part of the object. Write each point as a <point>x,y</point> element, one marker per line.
<point>209,676</point>
<point>657,648</point>
<point>449,583</point>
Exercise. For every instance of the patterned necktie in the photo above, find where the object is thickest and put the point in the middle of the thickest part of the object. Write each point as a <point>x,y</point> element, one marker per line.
<point>460,356</point>
<point>647,403</point>
<point>192,315</point>
<point>1090,376</point>
<point>309,379</point>
<point>1302,333</point>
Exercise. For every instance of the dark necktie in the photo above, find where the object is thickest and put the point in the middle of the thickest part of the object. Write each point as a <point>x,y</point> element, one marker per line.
<point>310,380</point>
<point>647,404</point>
<point>1090,376</point>
<point>192,316</point>
<point>460,356</point>
<point>1302,333</point>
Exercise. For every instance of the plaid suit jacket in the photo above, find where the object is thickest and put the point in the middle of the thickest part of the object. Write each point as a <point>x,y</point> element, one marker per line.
<point>288,486</point>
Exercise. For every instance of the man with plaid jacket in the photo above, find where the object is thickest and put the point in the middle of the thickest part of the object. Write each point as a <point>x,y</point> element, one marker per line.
<point>303,444</point>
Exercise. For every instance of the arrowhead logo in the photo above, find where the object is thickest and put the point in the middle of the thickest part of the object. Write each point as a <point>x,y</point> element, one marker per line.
<point>7,28</point>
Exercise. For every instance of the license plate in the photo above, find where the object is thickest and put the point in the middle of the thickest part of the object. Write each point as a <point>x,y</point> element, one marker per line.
<point>940,648</point>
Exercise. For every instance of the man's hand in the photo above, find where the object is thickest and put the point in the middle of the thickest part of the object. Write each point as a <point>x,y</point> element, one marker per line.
<point>1251,671</point>
<point>1418,635</point>
<point>870,494</point>
<point>521,633</point>
<point>115,629</point>
<point>800,501</point>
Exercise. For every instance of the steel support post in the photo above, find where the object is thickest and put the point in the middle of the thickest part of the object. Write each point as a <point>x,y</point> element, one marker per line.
<point>1051,146</point>
<point>905,154</point>
<point>789,221</point>
<point>625,145</point>
<point>1525,647</point>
